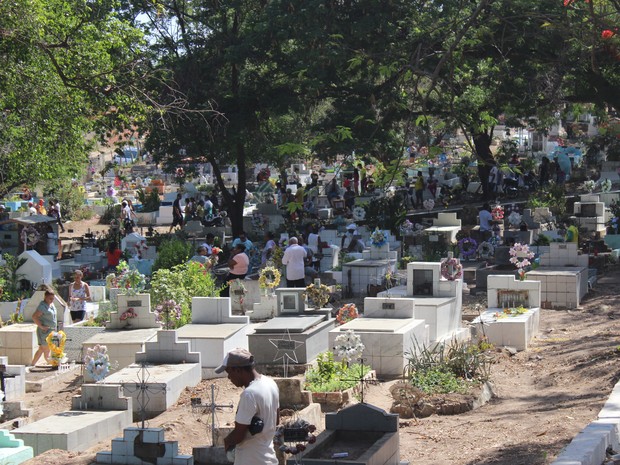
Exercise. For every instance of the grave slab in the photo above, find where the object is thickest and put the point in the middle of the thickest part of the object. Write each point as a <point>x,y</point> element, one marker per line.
<point>214,331</point>
<point>98,413</point>
<point>122,344</point>
<point>13,451</point>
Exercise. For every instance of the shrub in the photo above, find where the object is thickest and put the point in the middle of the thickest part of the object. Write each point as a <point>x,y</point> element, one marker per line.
<point>444,369</point>
<point>150,201</point>
<point>172,252</point>
<point>180,284</point>
<point>331,376</point>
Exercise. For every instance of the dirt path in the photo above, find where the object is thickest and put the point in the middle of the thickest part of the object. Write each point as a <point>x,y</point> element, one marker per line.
<point>545,396</point>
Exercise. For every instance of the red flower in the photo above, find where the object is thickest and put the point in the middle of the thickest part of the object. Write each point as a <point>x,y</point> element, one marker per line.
<point>607,34</point>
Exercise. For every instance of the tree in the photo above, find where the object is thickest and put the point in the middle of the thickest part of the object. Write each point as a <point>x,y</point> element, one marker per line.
<point>63,67</point>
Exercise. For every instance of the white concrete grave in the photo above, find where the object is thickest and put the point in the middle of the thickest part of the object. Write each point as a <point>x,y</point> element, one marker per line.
<point>14,381</point>
<point>510,330</point>
<point>124,338</point>
<point>388,330</point>
<point>143,446</point>
<point>36,269</point>
<point>372,268</point>
<point>446,224</point>
<point>214,331</point>
<point>161,372</point>
<point>437,300</point>
<point>99,412</point>
<point>141,307</point>
<point>590,213</point>
<point>297,334</point>
<point>13,451</point>
<point>130,240</point>
<point>563,274</point>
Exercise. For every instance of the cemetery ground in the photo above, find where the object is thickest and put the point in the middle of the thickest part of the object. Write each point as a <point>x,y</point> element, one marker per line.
<point>544,396</point>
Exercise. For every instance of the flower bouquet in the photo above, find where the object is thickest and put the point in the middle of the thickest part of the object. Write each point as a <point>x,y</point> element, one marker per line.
<point>497,213</point>
<point>377,238</point>
<point>168,313</point>
<point>514,219</point>
<point>128,315</point>
<point>97,362</point>
<point>347,313</point>
<point>406,228</point>
<point>606,185</point>
<point>521,256</point>
<point>429,204</point>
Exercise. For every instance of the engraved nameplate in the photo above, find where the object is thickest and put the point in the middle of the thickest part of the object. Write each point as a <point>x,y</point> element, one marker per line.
<point>562,246</point>
<point>285,345</point>
<point>134,303</point>
<point>388,306</point>
<point>433,238</point>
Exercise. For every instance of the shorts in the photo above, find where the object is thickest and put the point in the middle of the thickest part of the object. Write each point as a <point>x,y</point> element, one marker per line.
<point>78,315</point>
<point>42,336</point>
<point>177,220</point>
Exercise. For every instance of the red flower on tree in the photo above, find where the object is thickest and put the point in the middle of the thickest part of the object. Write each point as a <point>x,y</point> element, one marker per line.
<point>607,34</point>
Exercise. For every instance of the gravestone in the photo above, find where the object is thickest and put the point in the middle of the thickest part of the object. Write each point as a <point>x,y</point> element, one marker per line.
<point>360,434</point>
<point>36,269</point>
<point>388,330</point>
<point>214,331</point>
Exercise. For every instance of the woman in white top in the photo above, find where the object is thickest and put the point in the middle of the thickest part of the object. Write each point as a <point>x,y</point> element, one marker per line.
<point>314,244</point>
<point>79,294</point>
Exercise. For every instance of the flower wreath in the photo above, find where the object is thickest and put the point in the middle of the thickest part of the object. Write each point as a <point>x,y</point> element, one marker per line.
<point>514,219</point>
<point>97,362</point>
<point>349,346</point>
<point>467,247</point>
<point>359,213</point>
<point>269,277</point>
<point>347,313</point>
<point>520,255</point>
<point>294,430</point>
<point>497,213</point>
<point>318,294</point>
<point>30,236</point>
<point>377,238</point>
<point>451,269</point>
<point>486,250</point>
<point>56,342</point>
<point>429,204</point>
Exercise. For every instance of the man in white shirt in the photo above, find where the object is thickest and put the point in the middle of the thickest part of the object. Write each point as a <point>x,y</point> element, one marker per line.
<point>293,258</point>
<point>259,404</point>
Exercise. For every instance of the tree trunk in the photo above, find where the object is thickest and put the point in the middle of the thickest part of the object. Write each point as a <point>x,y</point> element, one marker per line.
<point>482,144</point>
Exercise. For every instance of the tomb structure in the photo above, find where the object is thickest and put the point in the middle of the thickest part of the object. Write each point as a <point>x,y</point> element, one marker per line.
<point>513,314</point>
<point>388,330</point>
<point>214,331</point>
<point>295,336</point>
<point>99,412</point>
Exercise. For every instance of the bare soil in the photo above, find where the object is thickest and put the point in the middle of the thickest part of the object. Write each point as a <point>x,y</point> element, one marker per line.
<point>545,396</point>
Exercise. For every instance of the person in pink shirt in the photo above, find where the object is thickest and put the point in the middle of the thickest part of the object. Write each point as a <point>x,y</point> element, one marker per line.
<point>238,265</point>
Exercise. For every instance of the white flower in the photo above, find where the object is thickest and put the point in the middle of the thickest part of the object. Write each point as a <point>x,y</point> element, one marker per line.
<point>514,219</point>
<point>606,185</point>
<point>349,346</point>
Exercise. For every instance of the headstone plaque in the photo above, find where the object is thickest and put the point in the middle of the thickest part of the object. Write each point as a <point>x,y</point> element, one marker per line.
<point>388,306</point>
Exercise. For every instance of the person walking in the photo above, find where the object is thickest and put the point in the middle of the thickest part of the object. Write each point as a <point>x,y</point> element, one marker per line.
<point>45,319</point>
<point>258,411</point>
<point>293,258</point>
<point>419,190</point>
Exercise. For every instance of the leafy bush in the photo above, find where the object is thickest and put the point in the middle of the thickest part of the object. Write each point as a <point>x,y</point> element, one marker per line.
<point>331,376</point>
<point>150,201</point>
<point>172,252</point>
<point>11,281</point>
<point>180,284</point>
<point>71,198</point>
<point>113,212</point>
<point>447,369</point>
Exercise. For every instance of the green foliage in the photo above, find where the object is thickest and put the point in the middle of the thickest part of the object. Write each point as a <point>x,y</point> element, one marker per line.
<point>172,252</point>
<point>436,381</point>
<point>10,279</point>
<point>71,198</point>
<point>444,369</point>
<point>150,201</point>
<point>113,212</point>
<point>181,283</point>
<point>385,213</point>
<point>331,376</point>
<point>552,197</point>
